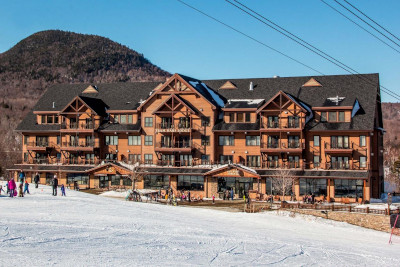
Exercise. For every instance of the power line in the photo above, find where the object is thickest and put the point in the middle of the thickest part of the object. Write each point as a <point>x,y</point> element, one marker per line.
<point>384,35</point>
<point>372,20</point>
<point>309,47</point>
<point>373,35</point>
<point>250,37</point>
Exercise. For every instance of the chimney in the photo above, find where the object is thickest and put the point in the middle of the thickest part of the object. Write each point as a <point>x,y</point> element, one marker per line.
<point>251,87</point>
<point>54,104</point>
<point>276,76</point>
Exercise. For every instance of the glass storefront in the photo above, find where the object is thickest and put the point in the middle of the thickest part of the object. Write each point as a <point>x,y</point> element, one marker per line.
<point>240,186</point>
<point>313,186</point>
<point>156,181</point>
<point>349,188</point>
<point>190,182</point>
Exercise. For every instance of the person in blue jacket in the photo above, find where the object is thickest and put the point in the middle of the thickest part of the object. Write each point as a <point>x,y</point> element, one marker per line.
<point>232,193</point>
<point>63,190</point>
<point>26,187</point>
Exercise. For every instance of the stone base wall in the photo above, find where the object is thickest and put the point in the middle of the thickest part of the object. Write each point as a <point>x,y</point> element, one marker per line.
<point>371,221</point>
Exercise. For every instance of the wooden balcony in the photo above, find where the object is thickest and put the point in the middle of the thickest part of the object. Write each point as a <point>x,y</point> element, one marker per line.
<point>338,148</point>
<point>291,147</point>
<point>282,125</point>
<point>38,146</point>
<point>79,146</point>
<point>79,127</point>
<point>174,147</point>
<point>174,127</point>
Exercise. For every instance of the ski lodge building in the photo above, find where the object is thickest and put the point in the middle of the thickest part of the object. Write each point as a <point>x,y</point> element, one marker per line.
<point>212,135</point>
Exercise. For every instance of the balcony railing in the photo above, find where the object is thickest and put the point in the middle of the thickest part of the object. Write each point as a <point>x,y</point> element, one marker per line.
<point>79,126</point>
<point>80,144</point>
<point>174,127</point>
<point>332,146</point>
<point>179,144</point>
<point>38,144</point>
<point>283,123</point>
<point>283,145</point>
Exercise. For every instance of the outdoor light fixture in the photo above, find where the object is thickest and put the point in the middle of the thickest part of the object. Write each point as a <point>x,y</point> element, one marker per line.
<point>233,152</point>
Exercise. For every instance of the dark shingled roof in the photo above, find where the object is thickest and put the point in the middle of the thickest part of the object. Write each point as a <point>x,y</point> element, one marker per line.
<point>96,104</point>
<point>363,87</point>
<point>243,104</point>
<point>29,124</point>
<point>116,127</point>
<point>223,126</point>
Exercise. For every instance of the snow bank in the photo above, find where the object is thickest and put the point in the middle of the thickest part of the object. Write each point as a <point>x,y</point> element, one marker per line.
<point>91,230</point>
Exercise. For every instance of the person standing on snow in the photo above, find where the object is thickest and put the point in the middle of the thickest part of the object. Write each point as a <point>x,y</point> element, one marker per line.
<point>20,193</point>
<point>26,187</point>
<point>231,193</point>
<point>36,180</point>
<point>12,186</point>
<point>55,184</point>
<point>63,190</point>
<point>21,176</point>
<point>1,189</point>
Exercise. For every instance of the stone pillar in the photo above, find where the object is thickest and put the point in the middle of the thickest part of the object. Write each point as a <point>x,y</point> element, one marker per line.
<point>297,188</point>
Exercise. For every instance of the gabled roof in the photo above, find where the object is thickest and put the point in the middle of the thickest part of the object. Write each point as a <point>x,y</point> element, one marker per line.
<point>291,98</point>
<point>228,85</point>
<point>179,99</point>
<point>250,172</point>
<point>95,104</point>
<point>312,82</point>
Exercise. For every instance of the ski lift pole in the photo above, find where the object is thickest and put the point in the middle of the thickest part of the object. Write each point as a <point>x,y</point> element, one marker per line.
<point>395,223</point>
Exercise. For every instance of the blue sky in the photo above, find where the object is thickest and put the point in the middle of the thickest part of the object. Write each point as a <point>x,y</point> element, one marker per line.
<point>181,40</point>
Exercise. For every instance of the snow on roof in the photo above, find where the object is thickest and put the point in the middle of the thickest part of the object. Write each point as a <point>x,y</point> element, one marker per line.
<point>220,167</point>
<point>310,113</point>
<point>250,101</point>
<point>216,97</point>
<point>356,108</point>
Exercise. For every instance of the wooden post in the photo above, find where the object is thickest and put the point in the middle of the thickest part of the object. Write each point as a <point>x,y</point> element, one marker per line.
<point>367,209</point>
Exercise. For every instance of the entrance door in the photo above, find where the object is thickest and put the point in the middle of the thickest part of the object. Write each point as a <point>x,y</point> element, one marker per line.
<point>244,188</point>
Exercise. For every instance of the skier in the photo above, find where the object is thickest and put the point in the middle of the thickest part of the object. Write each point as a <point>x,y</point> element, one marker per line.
<point>36,180</point>
<point>213,198</point>
<point>26,187</point>
<point>12,186</point>
<point>1,189</point>
<point>63,190</point>
<point>55,184</point>
<point>21,176</point>
<point>7,189</point>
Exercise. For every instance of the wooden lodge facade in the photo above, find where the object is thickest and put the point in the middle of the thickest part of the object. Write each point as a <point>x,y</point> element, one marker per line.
<point>212,136</point>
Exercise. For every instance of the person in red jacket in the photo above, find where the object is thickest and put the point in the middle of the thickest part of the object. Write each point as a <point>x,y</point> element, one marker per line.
<point>12,186</point>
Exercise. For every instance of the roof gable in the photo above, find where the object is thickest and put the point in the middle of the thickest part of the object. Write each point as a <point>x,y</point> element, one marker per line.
<point>233,170</point>
<point>90,90</point>
<point>173,103</point>
<point>312,83</point>
<point>281,100</point>
<point>228,85</point>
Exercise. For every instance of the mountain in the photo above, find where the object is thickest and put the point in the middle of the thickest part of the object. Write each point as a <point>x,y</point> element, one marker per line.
<point>50,57</point>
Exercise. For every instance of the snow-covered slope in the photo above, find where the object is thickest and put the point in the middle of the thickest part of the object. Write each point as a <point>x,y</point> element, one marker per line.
<point>88,230</point>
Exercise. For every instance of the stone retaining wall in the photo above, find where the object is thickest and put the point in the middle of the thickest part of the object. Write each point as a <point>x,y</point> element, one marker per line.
<point>372,221</point>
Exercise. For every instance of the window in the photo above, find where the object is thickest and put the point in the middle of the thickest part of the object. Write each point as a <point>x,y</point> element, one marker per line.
<point>126,181</point>
<point>167,159</point>
<point>240,117</point>
<point>132,158</point>
<point>130,118</point>
<point>248,117</point>
<point>190,182</point>
<point>148,158</point>
<point>148,122</point>
<point>226,140</point>
<point>26,139</point>
<point>270,188</point>
<point>312,186</point>
<point>58,139</point>
<point>363,140</point>
<point>317,160</point>
<point>324,117</point>
<point>56,119</point>
<point>42,141</point>
<point>348,188</point>
<point>293,141</point>
<point>134,140</point>
<point>116,118</point>
<point>111,140</point>
<point>273,141</point>
<point>156,181</point>
<point>363,162</point>
<point>205,140</point>
<point>253,161</point>
<point>332,116</point>
<point>224,159</point>
<point>49,119</point>
<point>340,163</point>
<point>341,116</point>
<point>110,156</point>
<point>273,162</point>
<point>293,161</point>
<point>205,159</point>
<point>115,179</point>
<point>339,142</point>
<point>237,184</point>
<point>293,122</point>
<point>148,140</point>
<point>89,158</point>
<point>25,157</point>
<point>231,117</point>
<point>316,140</point>
<point>185,160</point>
<point>252,140</point>
<point>205,121</point>
<point>77,177</point>
<point>273,122</point>
<point>43,119</point>
<point>123,119</point>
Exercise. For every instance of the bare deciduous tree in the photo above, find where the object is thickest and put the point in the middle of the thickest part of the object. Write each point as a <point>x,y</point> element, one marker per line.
<point>283,181</point>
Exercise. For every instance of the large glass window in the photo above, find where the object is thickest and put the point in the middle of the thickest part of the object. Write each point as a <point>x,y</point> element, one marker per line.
<point>111,140</point>
<point>252,140</point>
<point>185,159</point>
<point>133,158</point>
<point>126,181</point>
<point>293,141</point>
<point>317,161</point>
<point>294,161</point>
<point>123,119</point>
<point>363,162</point>
<point>339,142</point>
<point>313,186</point>
<point>134,140</point>
<point>110,156</point>
<point>205,159</point>
<point>253,161</point>
<point>148,140</point>
<point>156,181</point>
<point>190,182</point>
<point>148,158</point>
<point>348,188</point>
<point>340,163</point>
<point>273,122</point>
<point>205,140</point>
<point>273,141</point>
<point>115,179</point>
<point>239,185</point>
<point>324,116</point>
<point>77,177</point>
<point>273,189</point>
<point>226,140</point>
<point>341,116</point>
<point>225,159</point>
<point>332,116</point>
<point>293,122</point>
<point>148,122</point>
